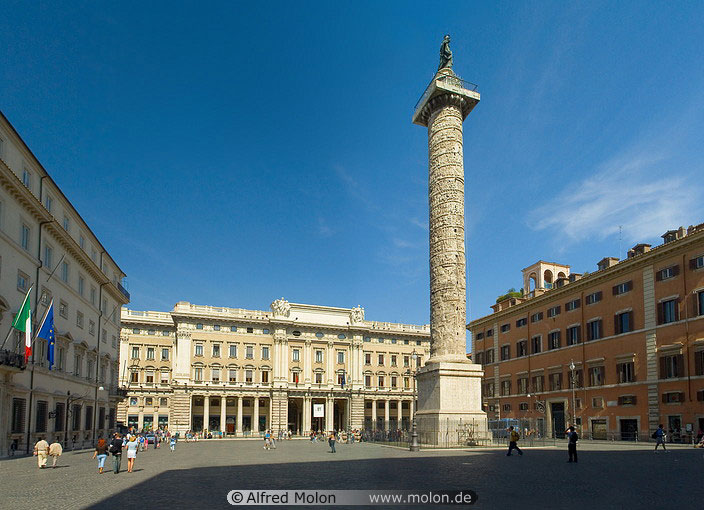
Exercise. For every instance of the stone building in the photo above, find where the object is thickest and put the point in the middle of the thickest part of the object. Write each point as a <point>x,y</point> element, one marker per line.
<point>45,244</point>
<point>633,330</point>
<point>297,367</point>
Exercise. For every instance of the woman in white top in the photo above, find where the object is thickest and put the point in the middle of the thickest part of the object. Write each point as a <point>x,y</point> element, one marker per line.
<point>131,446</point>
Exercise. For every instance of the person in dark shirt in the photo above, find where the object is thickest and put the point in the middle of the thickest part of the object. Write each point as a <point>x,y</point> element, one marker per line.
<point>572,444</point>
<point>116,450</point>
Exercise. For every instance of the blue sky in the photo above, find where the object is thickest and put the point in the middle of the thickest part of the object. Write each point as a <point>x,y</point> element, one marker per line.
<point>231,153</point>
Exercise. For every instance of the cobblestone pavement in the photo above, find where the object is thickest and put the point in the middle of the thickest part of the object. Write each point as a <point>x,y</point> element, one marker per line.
<point>199,475</point>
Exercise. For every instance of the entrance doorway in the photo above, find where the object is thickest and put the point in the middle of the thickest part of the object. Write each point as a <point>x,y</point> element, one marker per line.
<point>599,429</point>
<point>629,430</point>
<point>558,419</point>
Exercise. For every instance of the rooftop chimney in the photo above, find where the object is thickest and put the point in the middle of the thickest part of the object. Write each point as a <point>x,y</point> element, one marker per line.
<point>638,249</point>
<point>607,262</point>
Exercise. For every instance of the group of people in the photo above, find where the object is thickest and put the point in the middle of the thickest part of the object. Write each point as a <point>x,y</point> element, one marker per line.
<point>44,450</point>
<point>570,434</point>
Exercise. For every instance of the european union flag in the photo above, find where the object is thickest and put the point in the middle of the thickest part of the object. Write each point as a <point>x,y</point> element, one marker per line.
<point>46,331</point>
<point>343,380</point>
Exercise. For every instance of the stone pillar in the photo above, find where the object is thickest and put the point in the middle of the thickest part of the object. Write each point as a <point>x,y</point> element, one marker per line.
<point>386,414</point>
<point>400,412</point>
<point>307,362</point>
<point>411,407</point>
<point>449,387</point>
<point>373,414</point>
<point>238,429</point>
<point>140,421</point>
<point>155,418</point>
<point>206,413</point>
<point>255,416</point>
<point>223,413</point>
<point>307,411</point>
<point>329,406</point>
<point>330,364</point>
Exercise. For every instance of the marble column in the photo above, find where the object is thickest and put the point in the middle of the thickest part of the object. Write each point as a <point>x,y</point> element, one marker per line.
<point>238,430</point>
<point>329,407</point>
<point>206,412</point>
<point>255,416</point>
<point>155,422</point>
<point>140,421</point>
<point>386,413</point>
<point>307,410</point>
<point>374,414</point>
<point>399,405</point>
<point>223,413</point>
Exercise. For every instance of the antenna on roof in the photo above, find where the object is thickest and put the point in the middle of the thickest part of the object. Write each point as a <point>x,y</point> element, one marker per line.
<point>620,230</point>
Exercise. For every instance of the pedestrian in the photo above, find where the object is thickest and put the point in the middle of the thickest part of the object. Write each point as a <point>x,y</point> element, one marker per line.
<point>172,443</point>
<point>572,438</point>
<point>116,450</point>
<point>331,441</point>
<point>513,438</point>
<point>55,451</point>
<point>273,439</point>
<point>141,449</point>
<point>132,446</point>
<point>101,452</point>
<point>659,436</point>
<point>41,450</point>
<point>267,440</point>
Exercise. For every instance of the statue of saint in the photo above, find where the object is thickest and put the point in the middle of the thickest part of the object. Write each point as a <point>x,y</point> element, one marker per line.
<point>445,54</point>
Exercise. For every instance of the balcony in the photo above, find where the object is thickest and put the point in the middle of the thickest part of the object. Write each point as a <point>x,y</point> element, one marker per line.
<point>123,291</point>
<point>117,391</point>
<point>10,359</point>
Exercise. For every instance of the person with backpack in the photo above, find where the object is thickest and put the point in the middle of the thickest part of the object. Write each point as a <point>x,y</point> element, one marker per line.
<point>513,438</point>
<point>116,451</point>
<point>659,436</point>
<point>572,444</point>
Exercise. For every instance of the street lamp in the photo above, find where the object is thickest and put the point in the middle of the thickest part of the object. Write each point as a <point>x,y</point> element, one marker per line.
<point>574,401</point>
<point>415,446</point>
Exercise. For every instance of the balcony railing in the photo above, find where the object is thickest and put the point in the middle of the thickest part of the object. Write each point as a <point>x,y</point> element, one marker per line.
<point>123,291</point>
<point>12,359</point>
<point>449,79</point>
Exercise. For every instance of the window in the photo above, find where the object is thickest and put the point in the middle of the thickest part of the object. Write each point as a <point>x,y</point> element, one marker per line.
<point>165,333</point>
<point>536,317</point>
<point>489,356</point>
<point>367,381</point>
<point>265,376</point>
<point>536,344</point>
<point>150,377</point>
<point>668,272</point>
<point>537,383</point>
<point>27,178</point>
<point>523,406</point>
<point>25,233</point>
<point>572,305</point>
<point>91,327</point>
<point>250,330</point>
<point>341,336</point>
<point>556,381</point>
<point>578,378</point>
<point>597,402</point>
<point>42,416</point>
<point>232,375</point>
<point>215,375</point>
<point>489,333</point>
<point>699,362</point>
<point>216,350</point>
<point>265,331</point>
<point>249,352</point>
<point>135,331</point>
<point>49,257</point>
<point>574,335</point>
<point>216,327</point>
<point>319,377</point>
<point>65,272</point>
<point>63,309</point>
<point>265,352</point>
<point>489,390</point>
<point>380,340</point>
<point>380,361</point>
<point>697,262</point>
<point>406,361</point>
<point>93,294</point>
<point>199,349</point>
<point>296,355</point>
<point>82,242</point>
<point>151,332</point>
<point>232,350</point>
<point>134,378</point>
<point>506,387</point>
<point>505,352</point>
<point>164,377</point>
<point>77,365</point>
<point>554,311</point>
<point>199,325</point>
<point>367,358</point>
<point>340,357</point>
<point>522,348</point>
<point>505,328</point>
<point>67,224</point>
<point>381,381</point>
<point>625,372</point>
<point>671,366</point>
<point>394,360</point>
<point>595,297</point>
<point>623,323</point>
<point>594,330</point>
<point>672,397</point>
<point>521,322</point>
<point>622,288</point>
<point>522,385</point>
<point>135,353</point>
<point>79,319</point>
<point>248,376</point>
<point>596,376</point>
<point>479,358</point>
<point>480,336</point>
<point>18,412</point>
<point>233,329</point>
<point>668,311</point>
<point>318,356</point>
<point>22,281</point>
<point>553,340</point>
<point>198,374</point>
<point>164,354</point>
<point>150,353</point>
<point>700,302</point>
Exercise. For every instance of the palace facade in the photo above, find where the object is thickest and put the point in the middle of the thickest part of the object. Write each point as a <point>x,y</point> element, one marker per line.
<point>46,245</point>
<point>617,351</point>
<point>299,367</point>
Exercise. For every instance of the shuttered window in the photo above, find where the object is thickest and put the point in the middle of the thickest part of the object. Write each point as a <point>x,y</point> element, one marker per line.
<point>668,311</point>
<point>671,366</point>
<point>622,288</point>
<point>19,406</point>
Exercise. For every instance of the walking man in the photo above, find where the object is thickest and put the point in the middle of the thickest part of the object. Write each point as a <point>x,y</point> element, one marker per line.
<point>55,451</point>
<point>513,438</point>
<point>659,436</point>
<point>172,443</point>
<point>41,450</point>
<point>572,444</point>
<point>331,441</point>
<point>116,450</point>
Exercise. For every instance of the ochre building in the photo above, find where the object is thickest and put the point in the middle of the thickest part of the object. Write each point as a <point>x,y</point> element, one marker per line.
<point>299,367</point>
<point>630,336</point>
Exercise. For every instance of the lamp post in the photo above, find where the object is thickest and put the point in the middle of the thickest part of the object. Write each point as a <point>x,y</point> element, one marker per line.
<point>415,446</point>
<point>574,401</point>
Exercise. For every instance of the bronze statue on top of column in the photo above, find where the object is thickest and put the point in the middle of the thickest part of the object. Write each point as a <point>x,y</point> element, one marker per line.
<point>445,54</point>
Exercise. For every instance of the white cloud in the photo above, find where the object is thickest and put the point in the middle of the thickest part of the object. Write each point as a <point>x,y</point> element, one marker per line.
<point>640,192</point>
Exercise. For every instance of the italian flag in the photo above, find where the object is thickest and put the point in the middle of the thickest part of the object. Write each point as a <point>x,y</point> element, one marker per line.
<point>23,322</point>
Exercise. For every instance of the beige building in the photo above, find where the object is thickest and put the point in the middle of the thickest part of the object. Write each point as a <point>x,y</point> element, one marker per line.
<point>46,245</point>
<point>296,366</point>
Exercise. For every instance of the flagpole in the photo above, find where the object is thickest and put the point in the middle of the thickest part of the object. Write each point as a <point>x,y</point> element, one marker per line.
<point>41,324</point>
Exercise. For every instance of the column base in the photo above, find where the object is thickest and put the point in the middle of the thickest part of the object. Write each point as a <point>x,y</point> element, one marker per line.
<point>449,404</point>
